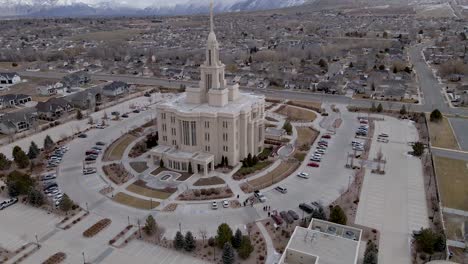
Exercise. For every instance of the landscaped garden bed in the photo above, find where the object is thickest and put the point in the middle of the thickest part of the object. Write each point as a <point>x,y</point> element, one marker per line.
<point>56,258</point>
<point>117,173</point>
<point>205,194</point>
<point>96,228</point>
<point>117,148</point>
<point>170,207</point>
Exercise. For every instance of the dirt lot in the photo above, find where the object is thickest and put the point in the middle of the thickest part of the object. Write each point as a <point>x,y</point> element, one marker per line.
<point>442,135</point>
<point>306,136</point>
<point>296,113</point>
<point>452,179</point>
<point>132,201</point>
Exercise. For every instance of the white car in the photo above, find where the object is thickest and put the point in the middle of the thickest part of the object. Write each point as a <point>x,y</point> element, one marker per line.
<point>303,175</point>
<point>225,203</point>
<point>89,171</point>
<point>319,151</point>
<point>214,205</point>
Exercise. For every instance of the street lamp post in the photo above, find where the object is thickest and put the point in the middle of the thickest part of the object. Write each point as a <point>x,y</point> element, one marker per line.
<point>87,206</point>
<point>37,240</point>
<point>84,260</point>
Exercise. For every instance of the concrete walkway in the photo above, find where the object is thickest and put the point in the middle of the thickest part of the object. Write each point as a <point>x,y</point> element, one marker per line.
<point>272,255</point>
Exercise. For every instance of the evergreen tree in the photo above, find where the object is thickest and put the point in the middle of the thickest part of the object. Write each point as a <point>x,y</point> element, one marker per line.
<point>373,108</point>
<point>228,254</point>
<point>20,158</point>
<point>319,213</point>
<point>254,160</point>
<point>418,149</point>
<point>245,248</point>
<point>338,216</point>
<point>79,115</point>
<point>379,108</point>
<point>66,203</point>
<point>237,239</point>
<point>249,160</point>
<point>19,183</point>
<point>436,116</point>
<point>179,242</point>
<point>190,170</point>
<point>403,110</point>
<point>150,226</point>
<point>33,151</point>
<point>35,197</point>
<point>161,163</point>
<point>4,162</point>
<point>224,234</point>
<point>189,242</point>
<point>48,143</point>
<point>287,127</point>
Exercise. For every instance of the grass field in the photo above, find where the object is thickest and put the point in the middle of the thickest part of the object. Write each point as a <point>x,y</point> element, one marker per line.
<point>117,149</point>
<point>134,188</point>
<point>306,136</point>
<point>132,201</point>
<point>296,113</point>
<point>316,106</point>
<point>452,176</point>
<point>139,166</point>
<point>114,35</point>
<point>279,173</point>
<point>209,181</point>
<point>442,135</point>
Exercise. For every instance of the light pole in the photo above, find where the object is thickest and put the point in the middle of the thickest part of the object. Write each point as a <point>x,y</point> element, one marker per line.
<point>180,227</point>
<point>128,217</point>
<point>37,240</point>
<point>87,206</point>
<point>84,260</point>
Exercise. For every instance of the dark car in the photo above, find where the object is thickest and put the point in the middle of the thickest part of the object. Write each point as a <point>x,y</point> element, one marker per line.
<point>100,143</point>
<point>82,135</point>
<point>286,217</point>
<point>293,214</point>
<point>124,116</point>
<point>92,152</point>
<point>91,158</point>
<point>277,219</point>
<point>306,208</point>
<point>136,111</point>
<point>326,136</point>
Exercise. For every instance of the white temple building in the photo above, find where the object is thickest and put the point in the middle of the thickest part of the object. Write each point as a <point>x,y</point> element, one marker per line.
<point>209,122</point>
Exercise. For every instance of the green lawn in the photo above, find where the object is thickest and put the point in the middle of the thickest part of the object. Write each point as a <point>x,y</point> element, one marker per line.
<point>132,201</point>
<point>452,177</point>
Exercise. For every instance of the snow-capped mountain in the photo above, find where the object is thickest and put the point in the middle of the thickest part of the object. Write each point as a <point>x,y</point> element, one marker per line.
<point>76,8</point>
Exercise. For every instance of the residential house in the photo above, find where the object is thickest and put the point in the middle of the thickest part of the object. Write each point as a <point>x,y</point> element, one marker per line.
<point>76,79</point>
<point>12,100</point>
<point>115,89</point>
<point>53,108</point>
<point>16,122</point>
<point>50,89</point>
<point>87,99</point>
<point>8,79</point>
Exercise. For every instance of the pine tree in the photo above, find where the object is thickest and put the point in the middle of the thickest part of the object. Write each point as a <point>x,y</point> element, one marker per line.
<point>48,143</point>
<point>33,150</point>
<point>338,216</point>
<point>20,158</point>
<point>379,108</point>
<point>161,163</point>
<point>403,110</point>
<point>179,242</point>
<point>249,160</point>
<point>245,248</point>
<point>189,242</point>
<point>35,197</point>
<point>79,115</point>
<point>66,203</point>
<point>190,170</point>
<point>237,239</point>
<point>224,234</point>
<point>4,162</point>
<point>150,226</point>
<point>228,254</point>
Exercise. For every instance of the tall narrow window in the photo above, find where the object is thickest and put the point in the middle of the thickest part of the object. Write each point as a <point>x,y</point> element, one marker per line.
<point>208,81</point>
<point>209,57</point>
<point>193,128</point>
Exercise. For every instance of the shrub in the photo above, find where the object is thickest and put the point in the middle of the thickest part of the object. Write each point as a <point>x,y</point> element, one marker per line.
<point>196,193</point>
<point>436,116</point>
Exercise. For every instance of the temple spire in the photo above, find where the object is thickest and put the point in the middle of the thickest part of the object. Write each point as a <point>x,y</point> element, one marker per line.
<point>211,17</point>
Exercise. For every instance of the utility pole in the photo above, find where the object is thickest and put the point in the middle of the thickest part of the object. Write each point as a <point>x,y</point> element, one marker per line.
<point>139,229</point>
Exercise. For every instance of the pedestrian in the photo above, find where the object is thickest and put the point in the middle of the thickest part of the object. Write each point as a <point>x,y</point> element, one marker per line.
<point>237,196</point>
<point>268,214</point>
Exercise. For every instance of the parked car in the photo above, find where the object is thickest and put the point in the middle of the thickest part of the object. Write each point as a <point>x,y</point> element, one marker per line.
<point>382,140</point>
<point>322,147</point>
<point>82,135</point>
<point>316,159</point>
<point>100,143</point>
<point>90,158</point>
<point>303,175</point>
<point>384,135</point>
<point>115,113</point>
<point>293,214</point>
<point>89,170</point>
<point>319,151</point>
<point>92,152</point>
<point>306,208</point>
<point>260,196</point>
<point>286,217</point>
<point>313,165</point>
<point>214,205</point>
<point>225,203</point>
<point>281,189</point>
<point>100,126</point>
<point>48,177</point>
<point>97,148</point>
<point>277,219</point>
<point>328,136</point>
<point>136,111</point>
<point>8,203</point>
<point>124,116</point>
